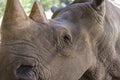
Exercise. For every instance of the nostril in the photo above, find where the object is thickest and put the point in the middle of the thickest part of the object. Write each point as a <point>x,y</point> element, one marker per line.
<point>24,68</point>
<point>25,72</point>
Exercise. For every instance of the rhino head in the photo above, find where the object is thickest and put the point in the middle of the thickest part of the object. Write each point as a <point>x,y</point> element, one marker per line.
<point>64,48</point>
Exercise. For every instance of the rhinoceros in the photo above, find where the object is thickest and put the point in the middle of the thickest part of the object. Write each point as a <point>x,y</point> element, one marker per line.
<point>80,42</point>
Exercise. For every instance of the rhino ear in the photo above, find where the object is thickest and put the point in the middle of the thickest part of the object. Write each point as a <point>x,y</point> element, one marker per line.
<point>37,13</point>
<point>97,3</point>
<point>14,14</point>
<point>56,9</point>
<point>80,1</point>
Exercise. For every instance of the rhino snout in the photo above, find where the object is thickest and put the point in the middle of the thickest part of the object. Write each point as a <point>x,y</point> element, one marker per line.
<point>25,72</point>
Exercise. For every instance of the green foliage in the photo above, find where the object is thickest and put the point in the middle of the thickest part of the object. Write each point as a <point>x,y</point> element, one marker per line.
<point>2,8</point>
<point>27,4</point>
<point>49,3</point>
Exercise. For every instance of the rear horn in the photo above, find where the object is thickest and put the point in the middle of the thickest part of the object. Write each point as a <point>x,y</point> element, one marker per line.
<point>37,13</point>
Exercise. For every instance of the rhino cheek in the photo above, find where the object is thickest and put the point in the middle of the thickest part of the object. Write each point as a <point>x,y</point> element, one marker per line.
<point>69,69</point>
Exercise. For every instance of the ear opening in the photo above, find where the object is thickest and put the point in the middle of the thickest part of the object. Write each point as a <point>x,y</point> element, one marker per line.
<point>97,4</point>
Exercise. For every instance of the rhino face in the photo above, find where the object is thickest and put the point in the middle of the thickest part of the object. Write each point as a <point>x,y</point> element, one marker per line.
<point>63,48</point>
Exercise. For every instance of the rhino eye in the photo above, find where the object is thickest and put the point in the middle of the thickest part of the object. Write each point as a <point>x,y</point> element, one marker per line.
<point>63,38</point>
<point>67,39</point>
<point>25,72</point>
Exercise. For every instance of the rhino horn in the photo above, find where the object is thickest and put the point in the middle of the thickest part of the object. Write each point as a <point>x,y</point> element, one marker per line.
<point>37,13</point>
<point>14,14</point>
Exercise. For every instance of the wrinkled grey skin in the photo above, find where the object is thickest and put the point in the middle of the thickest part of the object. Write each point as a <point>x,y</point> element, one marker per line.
<point>81,42</point>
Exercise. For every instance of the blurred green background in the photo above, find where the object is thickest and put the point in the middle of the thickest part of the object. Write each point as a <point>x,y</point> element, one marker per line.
<point>27,4</point>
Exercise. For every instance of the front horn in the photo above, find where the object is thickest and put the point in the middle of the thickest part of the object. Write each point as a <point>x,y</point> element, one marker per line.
<point>37,13</point>
<point>14,14</point>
